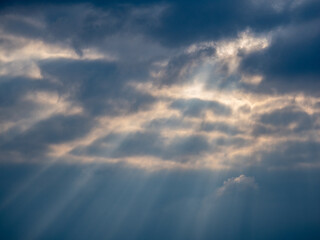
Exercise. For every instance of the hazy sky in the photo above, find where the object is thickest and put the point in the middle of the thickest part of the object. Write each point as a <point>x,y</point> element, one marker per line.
<point>160,119</point>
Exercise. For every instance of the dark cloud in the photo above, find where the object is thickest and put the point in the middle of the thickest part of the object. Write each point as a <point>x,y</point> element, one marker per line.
<point>34,142</point>
<point>207,20</point>
<point>147,144</point>
<point>220,127</point>
<point>180,67</point>
<point>290,154</point>
<point>58,129</point>
<point>196,107</point>
<point>230,142</point>
<point>287,116</point>
<point>284,121</point>
<point>117,30</point>
<point>179,25</point>
<point>159,44</point>
<point>99,86</point>
<point>170,123</point>
<point>188,146</point>
<point>14,105</point>
<point>140,144</point>
<point>290,63</point>
<point>14,89</point>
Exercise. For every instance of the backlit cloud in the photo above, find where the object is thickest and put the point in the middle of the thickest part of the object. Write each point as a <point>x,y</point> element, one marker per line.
<point>159,119</point>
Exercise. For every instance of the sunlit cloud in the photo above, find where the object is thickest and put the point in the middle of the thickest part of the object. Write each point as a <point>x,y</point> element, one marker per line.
<point>189,107</point>
<point>159,120</point>
<point>241,183</point>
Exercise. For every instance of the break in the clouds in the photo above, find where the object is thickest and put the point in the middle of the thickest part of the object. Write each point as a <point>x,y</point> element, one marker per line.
<point>167,91</point>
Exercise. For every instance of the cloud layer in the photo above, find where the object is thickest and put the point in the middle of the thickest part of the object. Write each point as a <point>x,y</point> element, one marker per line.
<point>160,119</point>
<point>86,82</point>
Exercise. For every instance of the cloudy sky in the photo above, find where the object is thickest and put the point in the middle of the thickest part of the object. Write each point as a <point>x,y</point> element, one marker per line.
<point>160,119</point>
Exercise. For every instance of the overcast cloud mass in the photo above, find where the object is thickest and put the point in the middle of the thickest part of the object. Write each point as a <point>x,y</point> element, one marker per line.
<point>160,119</point>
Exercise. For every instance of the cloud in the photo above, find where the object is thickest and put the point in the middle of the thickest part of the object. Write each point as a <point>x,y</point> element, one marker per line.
<point>186,147</point>
<point>233,142</point>
<point>220,127</point>
<point>197,107</point>
<point>289,64</point>
<point>34,143</point>
<point>175,28</point>
<point>284,121</point>
<point>208,22</point>
<point>80,27</point>
<point>171,123</point>
<point>99,86</point>
<point>179,68</point>
<point>111,110</point>
<point>291,155</point>
<point>139,144</point>
<point>198,96</point>
<point>241,184</point>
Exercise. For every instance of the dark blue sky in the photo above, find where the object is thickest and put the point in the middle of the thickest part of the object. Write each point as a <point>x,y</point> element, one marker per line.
<point>160,120</point>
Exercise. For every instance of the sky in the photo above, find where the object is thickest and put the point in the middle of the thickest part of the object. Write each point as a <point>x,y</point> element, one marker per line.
<point>160,119</point>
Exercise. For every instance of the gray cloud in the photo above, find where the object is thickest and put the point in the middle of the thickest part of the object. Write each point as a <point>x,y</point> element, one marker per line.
<point>171,123</point>
<point>220,127</point>
<point>131,50</point>
<point>289,64</point>
<point>148,144</point>
<point>285,121</point>
<point>34,142</point>
<point>180,67</point>
<point>140,144</point>
<point>230,142</point>
<point>106,81</point>
<point>196,107</point>
<point>99,86</point>
<point>291,154</point>
<point>80,25</point>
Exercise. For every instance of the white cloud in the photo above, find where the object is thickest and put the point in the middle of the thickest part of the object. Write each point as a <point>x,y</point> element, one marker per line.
<point>241,183</point>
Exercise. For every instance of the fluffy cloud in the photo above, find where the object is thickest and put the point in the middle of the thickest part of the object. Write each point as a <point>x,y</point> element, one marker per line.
<point>236,185</point>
